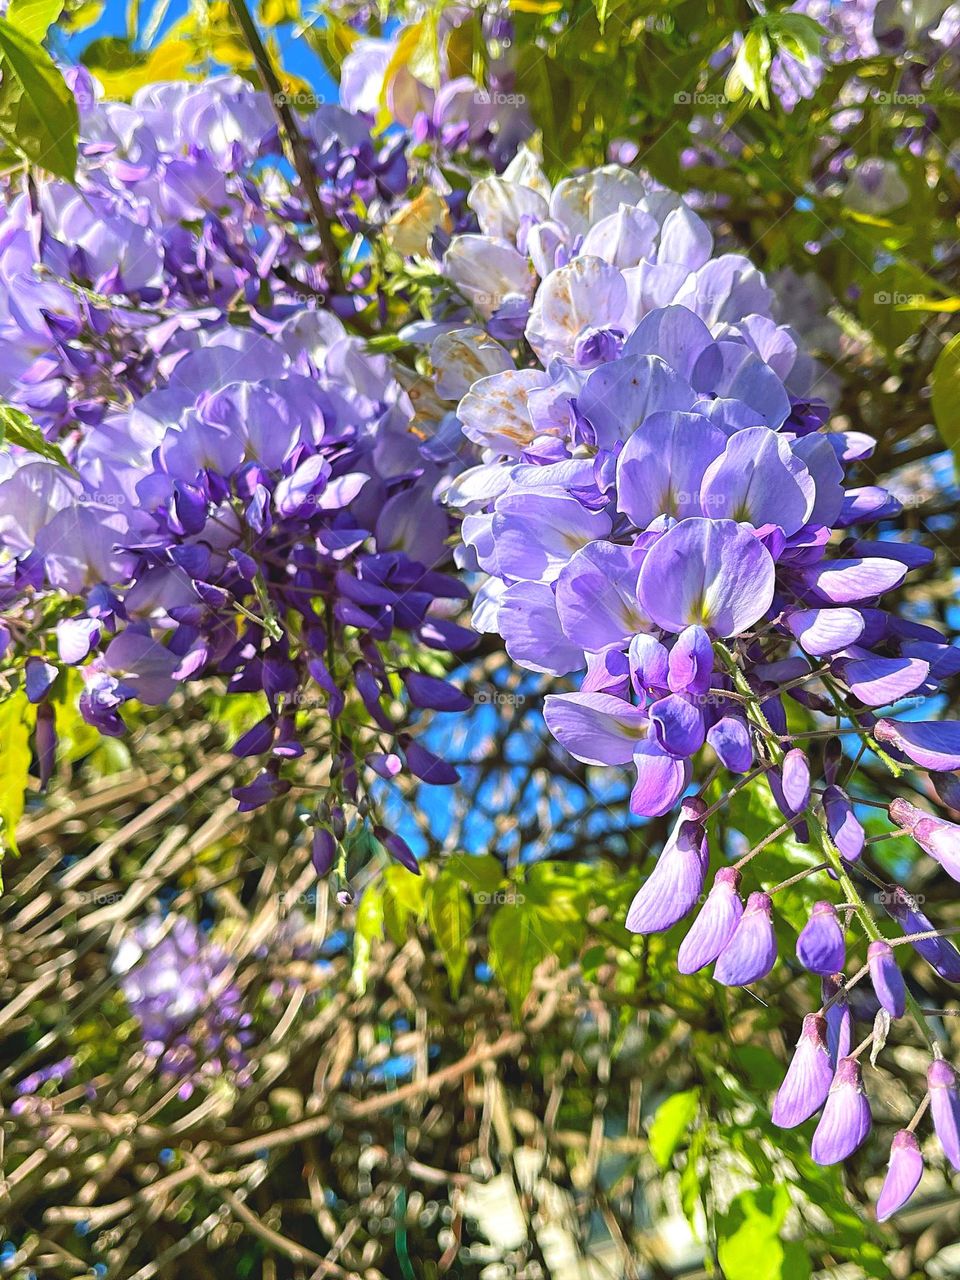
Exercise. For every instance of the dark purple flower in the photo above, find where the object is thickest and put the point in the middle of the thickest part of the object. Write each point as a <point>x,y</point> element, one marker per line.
<point>939,953</point>
<point>820,946</point>
<point>887,978</point>
<point>430,691</point>
<point>930,744</point>
<point>398,849</point>
<point>38,678</point>
<point>323,850</point>
<point>265,787</point>
<point>839,1018</point>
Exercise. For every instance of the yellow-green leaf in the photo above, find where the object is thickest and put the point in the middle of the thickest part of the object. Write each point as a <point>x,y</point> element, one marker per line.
<point>368,927</point>
<point>38,113</point>
<point>403,901</point>
<point>945,394</point>
<point>33,17</point>
<point>449,916</point>
<point>480,872</point>
<point>17,427</point>
<point>15,717</point>
<point>670,1123</point>
<point>517,946</point>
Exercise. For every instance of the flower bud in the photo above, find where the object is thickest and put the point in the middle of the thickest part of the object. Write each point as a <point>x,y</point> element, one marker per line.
<point>795,781</point>
<point>843,824</point>
<point>945,1108</point>
<point>45,742</point>
<point>809,1076</point>
<point>845,1122</point>
<point>903,1174</point>
<point>671,890</point>
<point>820,947</point>
<point>886,978</point>
<point>398,849</point>
<point>937,837</point>
<point>751,952</point>
<point>839,1018</point>
<point>715,925</point>
<point>323,850</point>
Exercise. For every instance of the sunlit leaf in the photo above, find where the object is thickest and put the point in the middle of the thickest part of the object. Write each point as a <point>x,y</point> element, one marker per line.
<point>33,17</point>
<point>449,916</point>
<point>670,1123</point>
<point>38,113</point>
<point>945,394</point>
<point>404,901</point>
<point>18,428</point>
<point>368,928</point>
<point>517,947</point>
<point>15,717</point>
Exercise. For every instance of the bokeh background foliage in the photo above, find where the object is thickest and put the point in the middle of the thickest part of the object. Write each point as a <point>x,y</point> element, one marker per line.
<point>478,1072</point>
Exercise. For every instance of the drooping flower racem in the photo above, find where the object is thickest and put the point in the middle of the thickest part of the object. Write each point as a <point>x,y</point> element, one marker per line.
<point>660,510</point>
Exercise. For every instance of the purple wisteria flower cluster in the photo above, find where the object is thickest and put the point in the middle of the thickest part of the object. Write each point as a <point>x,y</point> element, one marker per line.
<point>237,491</point>
<point>661,506</point>
<point>162,240</point>
<point>858,30</point>
<point>455,115</point>
<point>180,987</point>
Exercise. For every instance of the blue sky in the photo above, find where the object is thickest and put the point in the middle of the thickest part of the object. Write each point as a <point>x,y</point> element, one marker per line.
<point>298,58</point>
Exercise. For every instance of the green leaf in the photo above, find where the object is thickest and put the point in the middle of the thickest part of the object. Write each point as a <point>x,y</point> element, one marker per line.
<point>331,39</point>
<point>449,916</point>
<point>691,1194</point>
<point>19,428</point>
<point>670,1123</point>
<point>75,738</point>
<point>945,395</point>
<point>15,716</point>
<point>404,899</point>
<point>517,946</point>
<point>797,33</point>
<point>481,873</point>
<point>748,1238</point>
<point>368,927</point>
<point>38,113</point>
<point>34,17</point>
<point>601,7</point>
